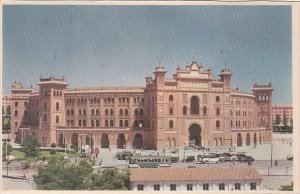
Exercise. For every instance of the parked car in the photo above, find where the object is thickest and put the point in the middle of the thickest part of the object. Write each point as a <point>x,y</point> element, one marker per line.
<point>190,159</point>
<point>243,157</point>
<point>210,158</point>
<point>289,157</point>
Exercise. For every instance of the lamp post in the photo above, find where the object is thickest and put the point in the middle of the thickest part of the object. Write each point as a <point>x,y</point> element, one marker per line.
<point>271,154</point>
<point>6,156</point>
<point>183,152</point>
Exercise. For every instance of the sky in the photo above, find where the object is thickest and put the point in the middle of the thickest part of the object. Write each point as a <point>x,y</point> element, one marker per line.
<point>120,45</point>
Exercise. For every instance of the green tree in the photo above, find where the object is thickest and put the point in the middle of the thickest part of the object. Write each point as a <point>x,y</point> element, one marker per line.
<point>284,121</point>
<point>3,111</point>
<point>112,179</point>
<point>286,187</point>
<point>6,125</point>
<point>9,150</point>
<point>30,146</point>
<point>60,174</point>
<point>277,120</point>
<point>8,110</point>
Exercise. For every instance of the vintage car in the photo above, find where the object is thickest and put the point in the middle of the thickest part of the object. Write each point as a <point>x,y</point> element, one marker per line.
<point>210,158</point>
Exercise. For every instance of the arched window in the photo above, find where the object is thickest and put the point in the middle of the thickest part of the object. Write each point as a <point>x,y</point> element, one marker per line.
<point>68,112</point>
<point>231,123</point>
<point>141,111</point>
<point>121,112</point>
<point>16,104</point>
<point>111,111</point>
<point>45,105</point>
<point>92,112</point>
<point>45,117</point>
<point>120,123</point>
<point>97,111</point>
<point>60,93</point>
<point>136,123</point>
<point>84,123</point>
<point>217,111</point>
<point>84,112</point>
<point>126,111</point>
<point>171,98</point>
<point>126,123</point>
<point>97,123</point>
<point>136,112</point>
<point>72,112</point>
<point>80,112</point>
<point>217,123</point>
<point>204,110</point>
<point>16,113</point>
<point>141,123</point>
<point>111,123</point>
<point>184,110</point>
<point>57,119</point>
<point>171,123</point>
<point>72,122</point>
<point>106,123</point>
<point>217,98</point>
<point>171,111</point>
<point>106,111</point>
<point>53,93</point>
<point>194,105</point>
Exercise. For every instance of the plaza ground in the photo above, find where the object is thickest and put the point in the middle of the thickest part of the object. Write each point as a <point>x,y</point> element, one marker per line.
<point>273,177</point>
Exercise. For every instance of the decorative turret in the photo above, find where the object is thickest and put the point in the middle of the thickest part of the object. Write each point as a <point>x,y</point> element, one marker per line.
<point>226,77</point>
<point>159,75</point>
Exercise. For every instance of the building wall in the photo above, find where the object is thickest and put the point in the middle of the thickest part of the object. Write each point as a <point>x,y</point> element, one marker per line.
<point>197,185</point>
<point>6,101</point>
<point>283,110</point>
<point>161,114</point>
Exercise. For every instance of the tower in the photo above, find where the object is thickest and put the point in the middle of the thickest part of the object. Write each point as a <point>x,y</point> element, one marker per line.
<point>52,108</point>
<point>226,78</point>
<point>263,100</point>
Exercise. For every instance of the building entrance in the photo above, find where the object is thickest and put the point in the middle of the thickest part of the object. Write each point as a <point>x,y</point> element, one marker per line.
<point>195,135</point>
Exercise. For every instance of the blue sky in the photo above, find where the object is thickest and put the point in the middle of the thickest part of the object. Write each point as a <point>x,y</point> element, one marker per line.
<point>119,45</point>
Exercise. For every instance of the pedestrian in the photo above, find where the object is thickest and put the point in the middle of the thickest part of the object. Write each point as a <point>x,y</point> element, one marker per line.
<point>276,163</point>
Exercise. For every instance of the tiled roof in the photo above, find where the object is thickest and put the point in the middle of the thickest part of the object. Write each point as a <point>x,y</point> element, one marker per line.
<point>193,174</point>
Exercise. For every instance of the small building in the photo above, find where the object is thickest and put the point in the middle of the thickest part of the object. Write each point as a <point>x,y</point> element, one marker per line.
<point>195,179</point>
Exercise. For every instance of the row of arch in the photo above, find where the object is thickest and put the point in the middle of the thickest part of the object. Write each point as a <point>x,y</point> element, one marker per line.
<point>137,142</point>
<point>255,140</point>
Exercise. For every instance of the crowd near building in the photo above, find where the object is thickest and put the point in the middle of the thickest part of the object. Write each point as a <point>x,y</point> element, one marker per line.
<point>191,108</point>
<point>195,179</point>
<point>283,111</point>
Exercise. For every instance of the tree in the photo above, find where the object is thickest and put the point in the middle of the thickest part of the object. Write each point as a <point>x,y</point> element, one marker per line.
<point>112,179</point>
<point>3,111</point>
<point>284,121</point>
<point>6,125</point>
<point>30,146</point>
<point>9,150</point>
<point>277,120</point>
<point>8,110</point>
<point>286,187</point>
<point>60,174</point>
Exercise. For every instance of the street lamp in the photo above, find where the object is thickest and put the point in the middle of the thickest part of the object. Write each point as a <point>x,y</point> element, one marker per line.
<point>183,152</point>
<point>271,154</point>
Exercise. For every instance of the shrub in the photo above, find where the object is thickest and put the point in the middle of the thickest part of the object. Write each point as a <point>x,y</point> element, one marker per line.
<point>52,152</point>
<point>53,145</point>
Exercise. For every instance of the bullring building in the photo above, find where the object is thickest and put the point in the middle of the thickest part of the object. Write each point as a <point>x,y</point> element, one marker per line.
<point>191,108</point>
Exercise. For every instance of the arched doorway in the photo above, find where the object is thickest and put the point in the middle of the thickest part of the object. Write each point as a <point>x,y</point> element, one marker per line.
<point>138,141</point>
<point>254,139</point>
<point>248,139</point>
<point>104,141</point>
<point>260,141</point>
<point>169,142</point>
<point>239,140</point>
<point>194,135</point>
<point>61,140</point>
<point>194,105</point>
<point>74,139</point>
<point>121,141</point>
<point>89,140</point>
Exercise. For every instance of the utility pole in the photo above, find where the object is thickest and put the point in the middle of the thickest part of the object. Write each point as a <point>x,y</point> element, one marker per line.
<point>271,154</point>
